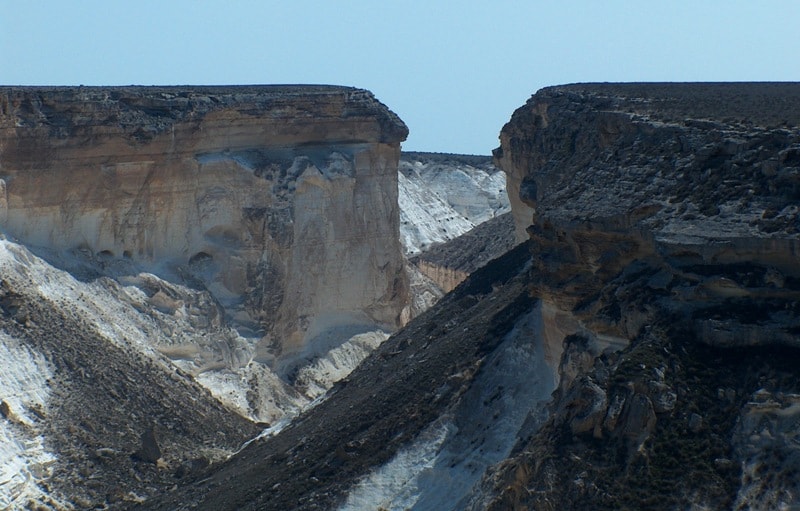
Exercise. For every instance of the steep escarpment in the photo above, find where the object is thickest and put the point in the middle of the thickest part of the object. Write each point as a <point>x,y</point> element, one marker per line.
<point>698,178</point>
<point>634,353</point>
<point>665,226</point>
<point>159,240</point>
<point>280,200</point>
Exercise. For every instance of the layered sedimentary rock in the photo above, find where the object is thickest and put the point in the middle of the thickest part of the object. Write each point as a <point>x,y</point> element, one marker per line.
<point>664,225</point>
<point>280,200</point>
<point>685,176</point>
<point>442,196</point>
<point>450,263</point>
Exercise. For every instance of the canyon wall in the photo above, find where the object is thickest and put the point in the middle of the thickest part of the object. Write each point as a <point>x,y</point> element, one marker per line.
<point>280,200</point>
<point>636,352</point>
<point>665,232</point>
<point>682,176</point>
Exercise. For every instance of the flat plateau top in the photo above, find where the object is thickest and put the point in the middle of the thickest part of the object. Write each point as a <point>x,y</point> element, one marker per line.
<point>23,107</point>
<point>759,103</point>
<point>202,89</point>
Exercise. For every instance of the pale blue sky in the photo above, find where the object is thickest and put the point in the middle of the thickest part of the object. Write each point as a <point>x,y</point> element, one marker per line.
<point>453,71</point>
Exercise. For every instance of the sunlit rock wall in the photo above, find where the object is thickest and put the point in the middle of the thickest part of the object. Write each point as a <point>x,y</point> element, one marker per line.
<point>281,200</point>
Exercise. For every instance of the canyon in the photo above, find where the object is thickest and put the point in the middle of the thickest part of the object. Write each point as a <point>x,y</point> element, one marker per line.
<point>624,338</point>
<point>634,352</point>
<point>163,236</point>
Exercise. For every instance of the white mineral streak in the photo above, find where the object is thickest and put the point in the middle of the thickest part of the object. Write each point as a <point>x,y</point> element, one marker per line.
<point>24,460</point>
<point>438,470</point>
<point>176,325</point>
<point>441,201</point>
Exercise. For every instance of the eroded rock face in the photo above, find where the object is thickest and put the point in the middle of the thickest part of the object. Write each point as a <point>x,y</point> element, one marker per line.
<point>665,230</point>
<point>686,177</point>
<point>280,200</point>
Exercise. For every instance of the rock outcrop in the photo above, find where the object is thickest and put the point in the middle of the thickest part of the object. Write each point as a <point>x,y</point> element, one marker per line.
<point>442,196</point>
<point>700,181</point>
<point>664,225</point>
<point>449,263</point>
<point>280,200</point>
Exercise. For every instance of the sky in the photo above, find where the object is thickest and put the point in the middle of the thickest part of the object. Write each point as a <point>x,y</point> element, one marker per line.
<point>454,71</point>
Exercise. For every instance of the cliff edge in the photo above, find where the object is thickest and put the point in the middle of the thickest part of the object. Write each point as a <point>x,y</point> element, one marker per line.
<point>663,221</point>
<point>279,200</point>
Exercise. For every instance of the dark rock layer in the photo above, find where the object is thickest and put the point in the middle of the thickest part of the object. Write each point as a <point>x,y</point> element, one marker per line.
<point>664,216</point>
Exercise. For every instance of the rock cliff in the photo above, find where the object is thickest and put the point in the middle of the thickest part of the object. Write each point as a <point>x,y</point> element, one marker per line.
<point>636,352</point>
<point>665,233</point>
<point>280,200</point>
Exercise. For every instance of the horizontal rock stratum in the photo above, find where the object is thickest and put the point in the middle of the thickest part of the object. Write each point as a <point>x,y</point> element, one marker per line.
<point>281,200</point>
<point>693,175</point>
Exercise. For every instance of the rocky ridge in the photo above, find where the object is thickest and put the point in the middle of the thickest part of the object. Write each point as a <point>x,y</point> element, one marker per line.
<point>81,393</point>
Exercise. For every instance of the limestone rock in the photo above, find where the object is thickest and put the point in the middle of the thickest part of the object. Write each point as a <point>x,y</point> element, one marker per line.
<point>281,200</point>
<point>663,222</point>
<point>442,196</point>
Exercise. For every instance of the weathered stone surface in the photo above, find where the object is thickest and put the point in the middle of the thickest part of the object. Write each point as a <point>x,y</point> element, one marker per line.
<point>442,196</point>
<point>673,173</point>
<point>85,394</point>
<point>663,220</point>
<point>281,200</point>
<point>450,263</point>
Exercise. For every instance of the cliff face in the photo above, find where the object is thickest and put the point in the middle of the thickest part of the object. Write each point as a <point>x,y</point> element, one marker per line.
<point>684,176</point>
<point>665,233</point>
<point>636,352</point>
<point>280,200</point>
